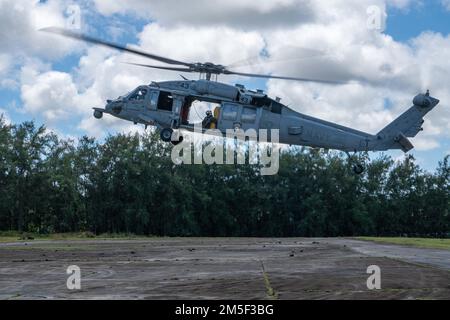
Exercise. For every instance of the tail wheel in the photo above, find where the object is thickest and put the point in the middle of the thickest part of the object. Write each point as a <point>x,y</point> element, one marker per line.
<point>166,134</point>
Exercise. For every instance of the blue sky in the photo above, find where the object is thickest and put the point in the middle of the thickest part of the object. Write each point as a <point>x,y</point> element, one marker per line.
<point>403,24</point>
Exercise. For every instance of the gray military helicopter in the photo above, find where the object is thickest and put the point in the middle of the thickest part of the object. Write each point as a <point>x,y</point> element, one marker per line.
<point>167,106</point>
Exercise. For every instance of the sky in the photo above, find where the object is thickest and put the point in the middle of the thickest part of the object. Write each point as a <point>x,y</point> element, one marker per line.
<point>394,48</point>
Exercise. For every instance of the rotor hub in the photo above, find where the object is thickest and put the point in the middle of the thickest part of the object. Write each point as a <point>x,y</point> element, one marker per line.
<point>208,67</point>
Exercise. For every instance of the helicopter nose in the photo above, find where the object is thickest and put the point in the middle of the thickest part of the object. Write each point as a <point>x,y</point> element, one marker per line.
<point>114,106</point>
<point>109,104</point>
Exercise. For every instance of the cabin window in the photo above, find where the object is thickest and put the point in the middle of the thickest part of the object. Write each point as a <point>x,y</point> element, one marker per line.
<point>165,101</point>
<point>230,112</point>
<point>248,115</point>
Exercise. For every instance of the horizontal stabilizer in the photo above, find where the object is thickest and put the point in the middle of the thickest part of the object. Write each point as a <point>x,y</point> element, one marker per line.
<point>404,143</point>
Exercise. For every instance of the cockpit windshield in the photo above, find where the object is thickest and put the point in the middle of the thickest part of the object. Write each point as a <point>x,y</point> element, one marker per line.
<point>138,94</point>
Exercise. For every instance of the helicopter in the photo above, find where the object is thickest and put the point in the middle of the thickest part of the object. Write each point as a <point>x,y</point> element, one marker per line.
<point>167,105</point>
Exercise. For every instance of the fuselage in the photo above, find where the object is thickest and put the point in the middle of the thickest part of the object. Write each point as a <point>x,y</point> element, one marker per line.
<point>167,105</point>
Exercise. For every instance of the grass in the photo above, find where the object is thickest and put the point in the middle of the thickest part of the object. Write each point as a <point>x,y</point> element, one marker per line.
<point>416,242</point>
<point>271,293</point>
<point>13,236</point>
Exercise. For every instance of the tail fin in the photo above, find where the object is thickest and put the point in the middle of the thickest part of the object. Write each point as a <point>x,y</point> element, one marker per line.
<point>408,125</point>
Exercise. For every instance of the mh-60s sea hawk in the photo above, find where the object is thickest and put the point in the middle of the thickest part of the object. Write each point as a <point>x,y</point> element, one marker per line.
<point>167,106</point>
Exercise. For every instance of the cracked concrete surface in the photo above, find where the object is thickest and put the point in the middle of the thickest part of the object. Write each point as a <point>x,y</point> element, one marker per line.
<point>221,268</point>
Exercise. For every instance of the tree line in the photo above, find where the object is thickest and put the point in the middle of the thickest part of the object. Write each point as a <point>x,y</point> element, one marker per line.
<point>127,183</point>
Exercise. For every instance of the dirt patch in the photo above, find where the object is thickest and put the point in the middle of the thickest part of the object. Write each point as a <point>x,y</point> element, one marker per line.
<point>210,268</point>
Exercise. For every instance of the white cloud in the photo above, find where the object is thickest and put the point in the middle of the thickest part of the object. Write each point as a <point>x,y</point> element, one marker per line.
<point>219,44</point>
<point>51,94</point>
<point>5,63</point>
<point>100,128</point>
<point>425,144</point>
<point>20,38</point>
<point>239,13</point>
<point>20,21</point>
<point>446,4</point>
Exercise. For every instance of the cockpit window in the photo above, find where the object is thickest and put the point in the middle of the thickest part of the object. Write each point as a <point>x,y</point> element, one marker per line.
<point>139,94</point>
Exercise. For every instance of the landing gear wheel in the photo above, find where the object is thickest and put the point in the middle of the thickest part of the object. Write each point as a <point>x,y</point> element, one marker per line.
<point>166,134</point>
<point>358,168</point>
<point>180,140</point>
<point>98,114</point>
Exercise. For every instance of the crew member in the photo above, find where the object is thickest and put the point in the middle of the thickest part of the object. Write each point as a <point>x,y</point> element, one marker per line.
<point>209,120</point>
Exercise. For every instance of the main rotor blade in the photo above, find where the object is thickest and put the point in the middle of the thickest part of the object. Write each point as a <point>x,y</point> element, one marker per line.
<point>160,67</point>
<point>293,54</point>
<point>78,36</point>
<point>267,76</point>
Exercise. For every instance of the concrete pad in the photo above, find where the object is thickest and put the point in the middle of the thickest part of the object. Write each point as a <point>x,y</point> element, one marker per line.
<point>219,268</point>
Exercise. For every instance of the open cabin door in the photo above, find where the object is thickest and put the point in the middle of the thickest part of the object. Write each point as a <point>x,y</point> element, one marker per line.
<point>164,107</point>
